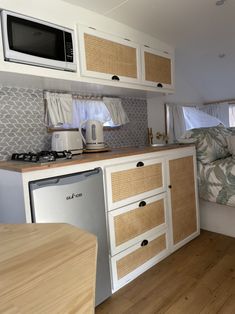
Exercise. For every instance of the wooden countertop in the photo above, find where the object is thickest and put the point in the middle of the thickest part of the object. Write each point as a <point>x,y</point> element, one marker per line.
<point>86,157</point>
<point>46,268</point>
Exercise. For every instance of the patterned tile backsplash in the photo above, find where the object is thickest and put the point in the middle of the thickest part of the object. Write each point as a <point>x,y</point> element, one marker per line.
<point>22,126</point>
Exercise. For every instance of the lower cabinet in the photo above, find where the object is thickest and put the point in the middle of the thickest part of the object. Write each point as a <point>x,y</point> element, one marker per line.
<point>130,263</point>
<point>132,223</point>
<point>183,200</point>
<point>157,218</point>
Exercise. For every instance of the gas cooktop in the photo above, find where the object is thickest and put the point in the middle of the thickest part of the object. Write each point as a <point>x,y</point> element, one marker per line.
<point>43,156</point>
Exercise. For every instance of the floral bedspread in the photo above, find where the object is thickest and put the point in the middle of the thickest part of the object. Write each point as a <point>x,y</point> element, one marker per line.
<point>217,181</point>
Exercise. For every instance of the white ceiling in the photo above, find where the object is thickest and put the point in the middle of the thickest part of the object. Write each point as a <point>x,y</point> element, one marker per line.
<point>198,29</point>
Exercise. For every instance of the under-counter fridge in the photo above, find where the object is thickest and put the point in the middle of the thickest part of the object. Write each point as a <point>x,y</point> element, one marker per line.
<point>77,199</point>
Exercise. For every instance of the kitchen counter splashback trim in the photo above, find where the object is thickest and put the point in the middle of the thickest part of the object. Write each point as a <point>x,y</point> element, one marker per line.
<point>85,158</point>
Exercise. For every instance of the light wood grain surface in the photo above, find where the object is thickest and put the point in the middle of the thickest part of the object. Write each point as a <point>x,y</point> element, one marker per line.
<point>84,158</point>
<point>46,268</point>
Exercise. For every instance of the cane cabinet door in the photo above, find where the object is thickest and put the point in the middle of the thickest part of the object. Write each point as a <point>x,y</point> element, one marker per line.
<point>157,68</point>
<point>108,57</point>
<point>183,199</point>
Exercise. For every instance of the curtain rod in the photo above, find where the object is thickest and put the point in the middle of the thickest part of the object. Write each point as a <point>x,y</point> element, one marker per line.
<point>81,96</point>
<point>75,95</point>
<point>229,101</point>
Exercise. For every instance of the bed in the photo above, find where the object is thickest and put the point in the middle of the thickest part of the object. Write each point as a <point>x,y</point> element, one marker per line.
<point>215,148</point>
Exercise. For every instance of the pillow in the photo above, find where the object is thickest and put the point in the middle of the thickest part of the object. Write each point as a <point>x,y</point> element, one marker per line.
<point>231,144</point>
<point>211,143</point>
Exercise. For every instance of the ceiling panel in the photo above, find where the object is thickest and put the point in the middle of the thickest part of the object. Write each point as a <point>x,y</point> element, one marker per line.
<point>99,6</point>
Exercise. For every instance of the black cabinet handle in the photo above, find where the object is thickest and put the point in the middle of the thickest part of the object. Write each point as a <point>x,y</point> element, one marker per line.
<point>115,78</point>
<point>142,204</point>
<point>169,186</point>
<point>159,85</point>
<point>144,242</point>
<point>140,164</point>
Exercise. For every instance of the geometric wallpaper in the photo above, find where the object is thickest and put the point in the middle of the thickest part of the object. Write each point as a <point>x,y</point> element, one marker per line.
<point>22,126</point>
<point>133,133</point>
<point>21,122</point>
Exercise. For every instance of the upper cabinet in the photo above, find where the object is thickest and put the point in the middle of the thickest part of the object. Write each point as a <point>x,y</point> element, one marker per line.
<point>157,68</point>
<point>108,57</point>
<point>113,58</point>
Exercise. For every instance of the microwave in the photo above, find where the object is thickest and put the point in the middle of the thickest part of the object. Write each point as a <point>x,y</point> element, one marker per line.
<point>35,42</point>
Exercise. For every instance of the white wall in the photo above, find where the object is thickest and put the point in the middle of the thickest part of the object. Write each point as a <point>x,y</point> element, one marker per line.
<point>184,94</point>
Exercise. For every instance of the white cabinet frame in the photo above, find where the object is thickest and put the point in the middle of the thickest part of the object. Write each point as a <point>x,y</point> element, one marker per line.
<point>118,283</point>
<point>81,30</point>
<point>112,214</point>
<point>161,53</point>
<point>131,165</point>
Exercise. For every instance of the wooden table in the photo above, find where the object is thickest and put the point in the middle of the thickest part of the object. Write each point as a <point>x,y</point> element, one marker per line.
<point>46,268</point>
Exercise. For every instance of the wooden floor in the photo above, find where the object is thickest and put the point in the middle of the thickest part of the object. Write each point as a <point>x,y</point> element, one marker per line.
<point>198,278</point>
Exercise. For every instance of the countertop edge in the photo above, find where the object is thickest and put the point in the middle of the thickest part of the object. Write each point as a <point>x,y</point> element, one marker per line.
<point>23,167</point>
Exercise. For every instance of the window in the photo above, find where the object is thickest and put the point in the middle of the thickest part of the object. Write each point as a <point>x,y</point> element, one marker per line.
<point>65,111</point>
<point>89,110</point>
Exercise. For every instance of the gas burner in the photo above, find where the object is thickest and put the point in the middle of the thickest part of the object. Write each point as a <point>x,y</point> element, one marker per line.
<point>43,156</point>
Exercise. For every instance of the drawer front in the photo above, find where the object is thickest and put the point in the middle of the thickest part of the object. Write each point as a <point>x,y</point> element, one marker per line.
<point>129,264</point>
<point>130,224</point>
<point>134,181</point>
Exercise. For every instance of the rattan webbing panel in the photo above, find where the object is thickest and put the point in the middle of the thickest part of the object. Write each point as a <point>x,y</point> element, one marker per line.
<point>137,221</point>
<point>135,181</point>
<point>137,258</point>
<point>157,68</point>
<point>183,200</point>
<point>108,57</point>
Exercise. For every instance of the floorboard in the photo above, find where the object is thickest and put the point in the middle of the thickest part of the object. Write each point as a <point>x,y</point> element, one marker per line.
<point>198,278</point>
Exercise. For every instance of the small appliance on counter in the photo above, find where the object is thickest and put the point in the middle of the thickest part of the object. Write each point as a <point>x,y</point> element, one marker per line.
<point>68,140</point>
<point>94,135</point>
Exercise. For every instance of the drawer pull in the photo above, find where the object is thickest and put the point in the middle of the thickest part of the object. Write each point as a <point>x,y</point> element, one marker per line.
<point>170,186</point>
<point>144,242</point>
<point>142,204</point>
<point>115,78</point>
<point>140,164</point>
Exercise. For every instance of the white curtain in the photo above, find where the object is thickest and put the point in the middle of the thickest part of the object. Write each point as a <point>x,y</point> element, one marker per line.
<point>232,115</point>
<point>68,112</point>
<point>117,113</point>
<point>176,122</point>
<point>195,118</point>
<point>219,111</point>
<point>59,108</point>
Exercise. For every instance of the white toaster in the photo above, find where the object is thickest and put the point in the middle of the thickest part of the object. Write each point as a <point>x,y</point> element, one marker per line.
<point>67,140</point>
